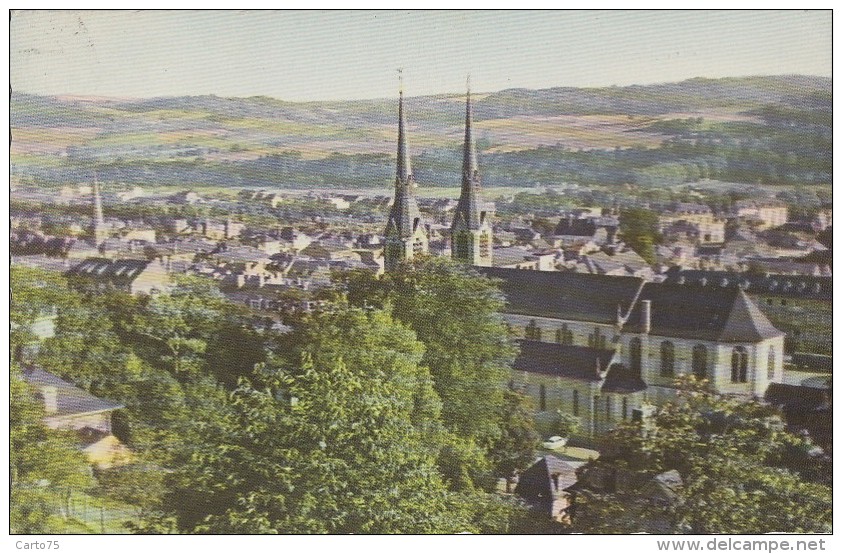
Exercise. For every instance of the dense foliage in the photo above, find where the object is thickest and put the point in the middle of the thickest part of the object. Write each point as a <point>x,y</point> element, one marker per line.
<point>740,471</point>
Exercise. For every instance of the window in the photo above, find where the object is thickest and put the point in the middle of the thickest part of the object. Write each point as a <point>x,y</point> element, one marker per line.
<point>533,332</point>
<point>625,408</point>
<point>542,392</point>
<point>575,402</point>
<point>667,359</point>
<point>564,335</point>
<point>739,365</point>
<point>607,407</point>
<point>635,360</point>
<point>461,246</point>
<point>596,339</point>
<point>770,369</point>
<point>700,361</point>
<point>484,245</point>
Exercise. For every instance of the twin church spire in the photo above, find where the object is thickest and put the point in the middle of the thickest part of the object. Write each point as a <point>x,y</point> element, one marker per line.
<point>406,233</point>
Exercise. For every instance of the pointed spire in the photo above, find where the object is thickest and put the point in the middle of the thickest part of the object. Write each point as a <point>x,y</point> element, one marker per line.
<point>100,233</point>
<point>468,208</point>
<point>469,158</point>
<point>99,219</point>
<point>404,170</point>
<point>404,216</point>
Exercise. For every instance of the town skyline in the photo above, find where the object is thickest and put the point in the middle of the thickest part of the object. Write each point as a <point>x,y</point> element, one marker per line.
<point>82,53</point>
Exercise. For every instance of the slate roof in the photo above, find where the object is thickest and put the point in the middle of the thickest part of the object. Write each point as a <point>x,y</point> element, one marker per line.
<point>563,295</point>
<point>71,399</point>
<point>116,272</point>
<point>714,314</point>
<point>621,379</point>
<point>803,286</point>
<point>576,362</point>
<point>575,227</point>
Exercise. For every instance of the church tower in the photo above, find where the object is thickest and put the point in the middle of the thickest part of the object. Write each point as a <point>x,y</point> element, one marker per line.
<point>406,233</point>
<point>471,232</point>
<point>100,233</point>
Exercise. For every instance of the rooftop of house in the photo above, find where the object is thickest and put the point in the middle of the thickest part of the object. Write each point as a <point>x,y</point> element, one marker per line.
<point>70,399</point>
<point>804,286</point>
<point>117,272</point>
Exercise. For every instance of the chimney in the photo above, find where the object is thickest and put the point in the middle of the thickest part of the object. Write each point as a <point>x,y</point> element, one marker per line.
<point>646,315</point>
<point>50,395</point>
<point>598,368</point>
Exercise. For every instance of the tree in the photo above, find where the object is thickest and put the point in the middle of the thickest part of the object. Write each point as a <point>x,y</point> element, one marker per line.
<point>330,444</point>
<point>42,463</point>
<point>455,313</point>
<point>735,463</point>
<point>515,449</point>
<point>639,229</point>
<point>178,326</point>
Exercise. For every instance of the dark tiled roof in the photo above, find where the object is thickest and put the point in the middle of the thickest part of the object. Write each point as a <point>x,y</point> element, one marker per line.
<point>577,362</point>
<point>706,313</point>
<point>71,399</point>
<point>563,295</point>
<point>621,379</point>
<point>803,286</point>
<point>117,272</point>
<point>576,227</point>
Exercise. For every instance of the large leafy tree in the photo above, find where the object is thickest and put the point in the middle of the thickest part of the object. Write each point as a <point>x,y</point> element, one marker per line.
<point>737,465</point>
<point>333,443</point>
<point>455,313</point>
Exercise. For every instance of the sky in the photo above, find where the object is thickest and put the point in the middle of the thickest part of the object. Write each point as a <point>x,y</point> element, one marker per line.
<point>318,55</point>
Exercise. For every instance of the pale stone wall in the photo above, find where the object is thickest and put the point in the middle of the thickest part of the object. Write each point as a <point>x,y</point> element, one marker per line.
<point>100,421</point>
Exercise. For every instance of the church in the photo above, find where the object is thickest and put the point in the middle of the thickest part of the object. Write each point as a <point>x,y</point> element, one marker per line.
<point>604,349</point>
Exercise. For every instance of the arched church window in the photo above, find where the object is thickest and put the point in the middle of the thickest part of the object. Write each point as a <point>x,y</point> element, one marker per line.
<point>739,365</point>
<point>700,361</point>
<point>770,368</point>
<point>667,359</point>
<point>635,355</point>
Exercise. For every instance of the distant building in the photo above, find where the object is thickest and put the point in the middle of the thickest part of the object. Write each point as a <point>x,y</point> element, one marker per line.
<point>68,407</point>
<point>132,276</point>
<point>767,213</point>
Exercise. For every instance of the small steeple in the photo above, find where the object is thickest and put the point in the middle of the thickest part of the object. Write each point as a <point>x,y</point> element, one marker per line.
<point>100,233</point>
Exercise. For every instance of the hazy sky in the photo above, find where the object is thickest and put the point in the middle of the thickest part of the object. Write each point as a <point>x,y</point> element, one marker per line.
<point>339,55</point>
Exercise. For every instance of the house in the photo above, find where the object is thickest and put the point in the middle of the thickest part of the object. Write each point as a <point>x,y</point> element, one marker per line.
<point>765,213</point>
<point>601,230</point>
<point>132,276</point>
<point>68,407</point>
<point>600,347</point>
<point>542,485</point>
<point>522,257</point>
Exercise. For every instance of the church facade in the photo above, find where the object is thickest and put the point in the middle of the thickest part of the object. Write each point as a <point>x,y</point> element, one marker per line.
<point>606,349</point>
<point>407,235</point>
<point>601,348</point>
